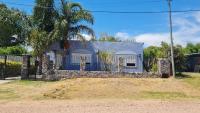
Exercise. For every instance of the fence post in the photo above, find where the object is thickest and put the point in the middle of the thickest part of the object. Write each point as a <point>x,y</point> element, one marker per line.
<point>25,67</point>
<point>3,71</point>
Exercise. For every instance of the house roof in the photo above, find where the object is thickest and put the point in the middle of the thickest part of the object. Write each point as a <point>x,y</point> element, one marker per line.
<point>96,46</point>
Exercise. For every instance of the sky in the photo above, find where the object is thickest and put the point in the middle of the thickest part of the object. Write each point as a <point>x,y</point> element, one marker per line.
<point>151,29</point>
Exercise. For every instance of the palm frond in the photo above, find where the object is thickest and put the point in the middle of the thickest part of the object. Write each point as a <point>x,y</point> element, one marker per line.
<point>74,6</point>
<point>82,16</point>
<point>82,28</point>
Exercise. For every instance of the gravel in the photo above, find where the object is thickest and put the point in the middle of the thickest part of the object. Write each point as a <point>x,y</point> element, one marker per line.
<point>100,106</point>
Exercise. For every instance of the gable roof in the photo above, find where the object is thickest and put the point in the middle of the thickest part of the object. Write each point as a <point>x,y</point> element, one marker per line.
<point>95,46</point>
<point>119,47</point>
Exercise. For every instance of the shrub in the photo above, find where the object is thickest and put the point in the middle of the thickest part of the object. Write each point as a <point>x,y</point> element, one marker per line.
<point>12,68</point>
<point>14,50</point>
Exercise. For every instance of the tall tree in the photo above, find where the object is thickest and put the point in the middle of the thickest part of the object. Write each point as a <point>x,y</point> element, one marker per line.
<point>152,53</point>
<point>12,22</point>
<point>192,48</point>
<point>43,25</point>
<point>40,41</point>
<point>72,23</point>
<point>150,58</point>
<point>44,14</point>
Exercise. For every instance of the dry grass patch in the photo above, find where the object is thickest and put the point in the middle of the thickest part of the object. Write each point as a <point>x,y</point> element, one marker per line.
<point>103,88</point>
<point>23,89</point>
<point>122,88</point>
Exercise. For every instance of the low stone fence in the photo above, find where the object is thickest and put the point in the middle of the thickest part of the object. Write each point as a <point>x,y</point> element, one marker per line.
<point>68,74</point>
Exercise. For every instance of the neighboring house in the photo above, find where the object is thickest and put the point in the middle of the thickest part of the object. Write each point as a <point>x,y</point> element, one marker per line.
<point>193,62</point>
<point>130,52</point>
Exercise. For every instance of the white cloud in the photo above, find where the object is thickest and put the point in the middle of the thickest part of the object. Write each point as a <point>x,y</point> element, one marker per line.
<point>122,35</point>
<point>152,38</point>
<point>197,16</point>
<point>186,29</point>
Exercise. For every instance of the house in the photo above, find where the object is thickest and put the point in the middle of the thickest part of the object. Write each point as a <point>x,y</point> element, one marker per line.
<point>130,53</point>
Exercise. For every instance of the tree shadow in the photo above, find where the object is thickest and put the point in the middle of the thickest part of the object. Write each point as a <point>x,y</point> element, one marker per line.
<point>182,76</point>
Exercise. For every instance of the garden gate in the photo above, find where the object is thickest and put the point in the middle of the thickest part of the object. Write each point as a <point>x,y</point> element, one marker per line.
<point>11,65</point>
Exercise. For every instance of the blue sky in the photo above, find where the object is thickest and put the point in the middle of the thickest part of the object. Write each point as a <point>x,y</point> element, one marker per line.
<point>148,28</point>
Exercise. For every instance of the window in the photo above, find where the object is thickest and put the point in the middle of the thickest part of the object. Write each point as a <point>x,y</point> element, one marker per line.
<point>130,64</point>
<point>128,60</point>
<point>77,56</point>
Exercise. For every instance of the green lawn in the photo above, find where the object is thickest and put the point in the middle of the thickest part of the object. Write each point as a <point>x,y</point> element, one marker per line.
<point>104,88</point>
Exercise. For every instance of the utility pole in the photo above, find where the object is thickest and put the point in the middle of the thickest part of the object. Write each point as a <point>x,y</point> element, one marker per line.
<point>171,38</point>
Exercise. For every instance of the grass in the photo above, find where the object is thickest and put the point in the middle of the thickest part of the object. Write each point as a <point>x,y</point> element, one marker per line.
<point>7,94</point>
<point>193,80</point>
<point>104,88</point>
<point>164,95</point>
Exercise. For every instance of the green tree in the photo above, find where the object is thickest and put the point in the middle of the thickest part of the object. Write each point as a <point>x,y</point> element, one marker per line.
<point>71,23</point>
<point>192,48</point>
<point>12,22</point>
<point>153,53</point>
<point>107,60</point>
<point>40,41</point>
<point>179,58</point>
<point>106,37</point>
<point>41,35</point>
<point>13,50</point>
<point>44,15</point>
<point>150,57</point>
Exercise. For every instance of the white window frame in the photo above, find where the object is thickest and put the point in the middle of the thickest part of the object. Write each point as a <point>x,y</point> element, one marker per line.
<point>128,59</point>
<point>75,58</point>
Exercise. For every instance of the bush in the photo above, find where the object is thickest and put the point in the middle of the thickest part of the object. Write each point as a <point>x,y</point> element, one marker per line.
<point>14,50</point>
<point>12,68</point>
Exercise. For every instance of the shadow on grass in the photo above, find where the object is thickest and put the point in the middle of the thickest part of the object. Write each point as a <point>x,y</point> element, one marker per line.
<point>182,76</point>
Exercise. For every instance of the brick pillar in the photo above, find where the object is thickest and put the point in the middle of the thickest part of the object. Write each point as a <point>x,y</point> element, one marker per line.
<point>25,67</point>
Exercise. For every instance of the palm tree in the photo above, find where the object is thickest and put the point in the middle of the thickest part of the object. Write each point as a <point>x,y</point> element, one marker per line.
<point>70,23</point>
<point>44,15</point>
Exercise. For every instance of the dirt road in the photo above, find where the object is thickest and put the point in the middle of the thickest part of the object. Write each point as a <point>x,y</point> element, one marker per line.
<point>100,107</point>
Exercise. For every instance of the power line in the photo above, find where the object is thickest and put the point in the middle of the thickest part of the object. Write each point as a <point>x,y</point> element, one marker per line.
<point>115,12</point>
<point>129,12</point>
<point>14,3</point>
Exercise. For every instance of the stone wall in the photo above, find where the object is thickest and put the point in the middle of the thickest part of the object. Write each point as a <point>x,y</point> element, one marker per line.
<point>68,74</point>
<point>164,67</point>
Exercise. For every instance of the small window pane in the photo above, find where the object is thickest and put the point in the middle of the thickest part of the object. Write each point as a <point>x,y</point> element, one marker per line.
<point>130,64</point>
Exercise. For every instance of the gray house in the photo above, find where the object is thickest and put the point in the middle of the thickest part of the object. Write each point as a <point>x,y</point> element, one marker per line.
<point>123,56</point>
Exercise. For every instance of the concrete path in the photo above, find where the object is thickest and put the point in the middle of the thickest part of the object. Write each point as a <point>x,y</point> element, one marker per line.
<point>5,81</point>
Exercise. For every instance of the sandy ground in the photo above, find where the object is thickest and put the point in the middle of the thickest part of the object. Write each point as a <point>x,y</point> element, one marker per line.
<point>105,106</point>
